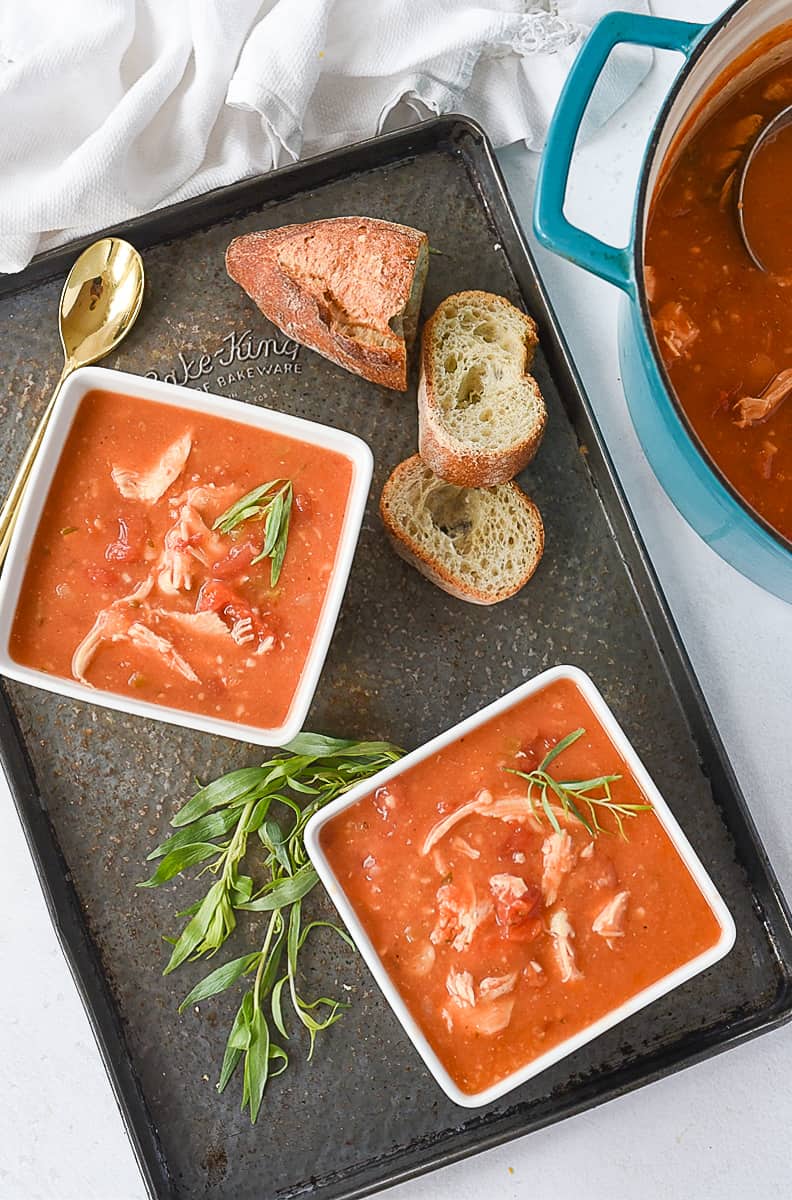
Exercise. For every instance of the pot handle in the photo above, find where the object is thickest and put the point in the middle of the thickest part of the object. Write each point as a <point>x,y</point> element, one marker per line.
<point>550,225</point>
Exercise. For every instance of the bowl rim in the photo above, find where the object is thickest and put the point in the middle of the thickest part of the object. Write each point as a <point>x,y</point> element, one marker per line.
<point>643,204</point>
<point>92,378</point>
<point>633,1004</point>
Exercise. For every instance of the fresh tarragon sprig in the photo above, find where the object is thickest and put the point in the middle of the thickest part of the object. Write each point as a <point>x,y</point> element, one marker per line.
<point>272,504</point>
<point>573,796</point>
<point>216,825</point>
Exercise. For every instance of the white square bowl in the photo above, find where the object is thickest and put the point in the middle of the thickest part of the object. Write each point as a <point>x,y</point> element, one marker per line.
<point>89,378</point>
<point>664,815</point>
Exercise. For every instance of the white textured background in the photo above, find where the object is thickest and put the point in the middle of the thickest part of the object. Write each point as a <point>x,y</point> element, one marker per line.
<point>719,1131</point>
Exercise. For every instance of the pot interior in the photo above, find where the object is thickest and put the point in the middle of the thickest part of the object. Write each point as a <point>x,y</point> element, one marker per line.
<point>749,40</point>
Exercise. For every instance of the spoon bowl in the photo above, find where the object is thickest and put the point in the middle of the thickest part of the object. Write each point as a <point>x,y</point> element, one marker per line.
<point>101,300</point>
<point>99,304</point>
<point>752,218</point>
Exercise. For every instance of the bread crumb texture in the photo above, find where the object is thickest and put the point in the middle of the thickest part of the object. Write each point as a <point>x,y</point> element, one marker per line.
<point>481,544</point>
<point>479,349</point>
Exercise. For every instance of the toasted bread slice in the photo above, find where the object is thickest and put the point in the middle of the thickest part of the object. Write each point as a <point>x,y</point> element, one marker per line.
<point>348,287</point>
<point>478,544</point>
<point>481,416</point>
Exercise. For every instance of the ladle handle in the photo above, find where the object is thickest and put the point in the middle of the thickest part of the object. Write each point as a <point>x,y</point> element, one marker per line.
<point>10,509</point>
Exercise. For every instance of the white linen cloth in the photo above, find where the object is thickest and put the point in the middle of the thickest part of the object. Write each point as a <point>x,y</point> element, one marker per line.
<point>111,108</point>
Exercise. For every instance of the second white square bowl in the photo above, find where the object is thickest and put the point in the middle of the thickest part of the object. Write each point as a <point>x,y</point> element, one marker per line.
<point>620,1013</point>
<point>89,378</point>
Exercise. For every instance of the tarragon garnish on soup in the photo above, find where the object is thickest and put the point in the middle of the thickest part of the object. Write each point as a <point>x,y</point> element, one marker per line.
<point>272,504</point>
<point>584,800</point>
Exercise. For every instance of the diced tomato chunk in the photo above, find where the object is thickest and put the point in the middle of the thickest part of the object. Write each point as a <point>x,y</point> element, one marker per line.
<point>217,596</point>
<point>517,916</point>
<point>238,560</point>
<point>524,931</point>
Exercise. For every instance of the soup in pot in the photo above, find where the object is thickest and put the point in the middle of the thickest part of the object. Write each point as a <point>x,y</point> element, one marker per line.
<point>723,326</point>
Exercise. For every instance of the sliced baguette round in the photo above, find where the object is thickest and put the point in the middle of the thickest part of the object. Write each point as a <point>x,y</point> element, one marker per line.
<point>481,416</point>
<point>348,287</point>
<point>478,544</point>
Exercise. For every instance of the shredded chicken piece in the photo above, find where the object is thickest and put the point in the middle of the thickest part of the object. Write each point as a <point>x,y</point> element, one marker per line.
<point>675,329</point>
<point>609,922</point>
<point>206,495</point>
<point>111,624</point>
<point>745,130</point>
<point>482,801</point>
<point>588,850</point>
<point>464,847</point>
<point>497,985</point>
<point>458,916</point>
<point>727,188</point>
<point>459,985</point>
<point>558,859</point>
<point>512,807</point>
<point>489,1018</point>
<point>507,887</point>
<point>149,486</point>
<point>385,801</point>
<point>146,639</point>
<point>723,161</point>
<point>422,961</point>
<point>752,410</point>
<point>189,540</point>
<point>242,631</point>
<point>440,864</point>
<point>765,459</point>
<point>534,975</point>
<point>204,624</point>
<point>650,282</point>
<point>779,89</point>
<point>562,934</point>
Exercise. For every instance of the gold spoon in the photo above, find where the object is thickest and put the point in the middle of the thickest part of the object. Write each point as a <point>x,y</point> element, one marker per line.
<point>99,304</point>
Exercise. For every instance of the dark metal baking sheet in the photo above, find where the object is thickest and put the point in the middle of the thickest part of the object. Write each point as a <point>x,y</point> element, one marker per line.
<point>95,789</point>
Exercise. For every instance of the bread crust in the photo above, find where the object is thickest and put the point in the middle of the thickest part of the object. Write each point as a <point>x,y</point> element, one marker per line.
<point>370,265</point>
<point>431,566</point>
<point>446,454</point>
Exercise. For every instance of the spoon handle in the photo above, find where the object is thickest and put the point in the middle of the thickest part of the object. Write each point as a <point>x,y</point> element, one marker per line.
<point>10,509</point>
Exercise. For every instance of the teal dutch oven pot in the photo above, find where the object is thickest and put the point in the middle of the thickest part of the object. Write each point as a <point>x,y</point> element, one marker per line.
<point>683,467</point>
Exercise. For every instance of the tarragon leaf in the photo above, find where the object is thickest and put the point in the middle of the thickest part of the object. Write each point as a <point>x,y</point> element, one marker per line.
<point>205,829</point>
<point>178,860</point>
<point>229,788</point>
<point>220,979</point>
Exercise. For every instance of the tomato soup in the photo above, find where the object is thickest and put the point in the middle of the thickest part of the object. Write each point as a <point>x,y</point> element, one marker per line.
<point>132,586</point>
<point>724,327</point>
<point>505,927</point>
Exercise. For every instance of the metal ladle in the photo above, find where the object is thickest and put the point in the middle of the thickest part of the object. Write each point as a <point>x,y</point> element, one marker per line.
<point>779,122</point>
<point>99,304</point>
